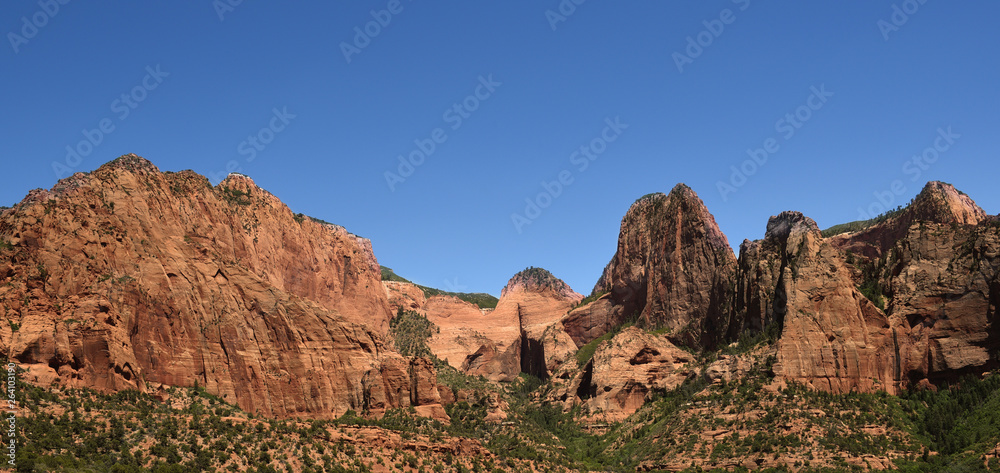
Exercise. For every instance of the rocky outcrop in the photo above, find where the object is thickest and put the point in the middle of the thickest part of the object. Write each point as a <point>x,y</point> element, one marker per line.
<point>590,321</point>
<point>532,301</point>
<point>936,263</point>
<point>944,289</point>
<point>462,329</point>
<point>404,295</point>
<point>624,372</point>
<point>934,268</point>
<point>674,270</point>
<point>127,277</point>
<point>938,202</point>
<point>832,337</point>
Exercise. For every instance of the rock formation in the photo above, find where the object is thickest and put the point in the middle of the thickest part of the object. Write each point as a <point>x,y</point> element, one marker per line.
<point>129,278</point>
<point>521,335</point>
<point>623,373</point>
<point>832,337</point>
<point>532,301</point>
<point>932,269</point>
<point>463,328</point>
<point>673,269</point>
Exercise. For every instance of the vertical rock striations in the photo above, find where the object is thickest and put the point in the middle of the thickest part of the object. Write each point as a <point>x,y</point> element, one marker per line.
<point>129,278</point>
<point>673,269</point>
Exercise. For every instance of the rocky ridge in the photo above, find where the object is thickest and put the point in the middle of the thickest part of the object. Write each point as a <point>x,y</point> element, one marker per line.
<point>130,278</point>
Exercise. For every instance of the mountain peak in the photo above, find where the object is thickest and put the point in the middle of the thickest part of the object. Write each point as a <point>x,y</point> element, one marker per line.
<point>780,226</point>
<point>940,202</point>
<point>131,162</point>
<point>537,280</point>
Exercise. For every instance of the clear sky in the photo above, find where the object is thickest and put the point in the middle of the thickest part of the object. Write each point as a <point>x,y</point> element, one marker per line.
<point>655,93</point>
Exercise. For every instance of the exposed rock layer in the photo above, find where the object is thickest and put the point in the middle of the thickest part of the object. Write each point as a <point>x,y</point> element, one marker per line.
<point>624,372</point>
<point>128,277</point>
<point>506,341</point>
<point>673,269</point>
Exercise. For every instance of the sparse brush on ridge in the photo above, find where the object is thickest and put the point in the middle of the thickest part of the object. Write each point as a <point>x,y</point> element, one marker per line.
<point>483,300</point>
<point>858,225</point>
<point>591,298</point>
<point>538,277</point>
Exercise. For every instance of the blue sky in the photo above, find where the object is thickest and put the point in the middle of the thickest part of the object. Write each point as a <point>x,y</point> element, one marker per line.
<point>200,80</point>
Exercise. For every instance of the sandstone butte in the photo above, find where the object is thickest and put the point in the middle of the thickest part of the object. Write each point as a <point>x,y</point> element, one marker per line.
<point>130,278</point>
<point>504,342</point>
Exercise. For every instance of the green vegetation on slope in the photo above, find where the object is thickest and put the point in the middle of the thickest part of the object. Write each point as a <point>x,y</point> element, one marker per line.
<point>539,277</point>
<point>591,298</point>
<point>952,429</point>
<point>859,225</point>
<point>484,301</point>
<point>410,331</point>
<point>389,275</point>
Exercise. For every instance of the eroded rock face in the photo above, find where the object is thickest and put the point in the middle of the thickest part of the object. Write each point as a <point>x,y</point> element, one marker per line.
<point>532,301</point>
<point>592,320</point>
<point>832,337</point>
<point>404,295</point>
<point>501,343</point>
<point>945,289</point>
<point>128,277</point>
<point>674,269</point>
<point>623,373</point>
<point>937,264</point>
<point>936,261</point>
<point>938,202</point>
<point>462,329</point>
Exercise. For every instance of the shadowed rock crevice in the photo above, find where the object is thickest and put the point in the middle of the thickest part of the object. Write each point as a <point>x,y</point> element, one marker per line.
<point>533,357</point>
<point>587,389</point>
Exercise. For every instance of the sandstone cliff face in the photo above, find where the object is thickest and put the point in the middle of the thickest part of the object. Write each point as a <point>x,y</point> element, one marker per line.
<point>623,373</point>
<point>938,202</point>
<point>522,334</point>
<point>832,337</point>
<point>464,329</point>
<point>945,289</point>
<point>532,301</point>
<point>936,261</point>
<point>674,269</point>
<point>131,278</point>
<point>935,266</point>
<point>404,295</point>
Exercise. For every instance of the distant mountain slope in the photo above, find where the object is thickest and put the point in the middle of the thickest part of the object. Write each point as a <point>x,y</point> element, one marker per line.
<point>483,300</point>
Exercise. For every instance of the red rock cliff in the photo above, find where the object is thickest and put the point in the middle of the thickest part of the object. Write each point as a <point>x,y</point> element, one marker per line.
<point>127,277</point>
<point>673,269</point>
